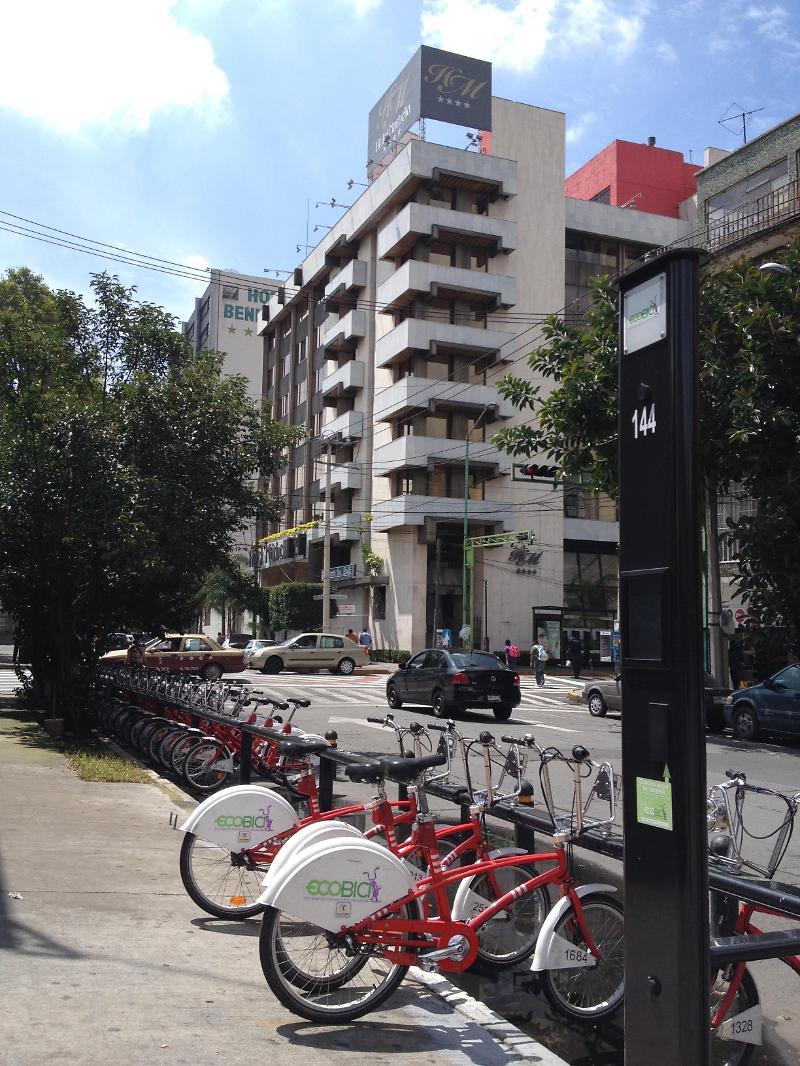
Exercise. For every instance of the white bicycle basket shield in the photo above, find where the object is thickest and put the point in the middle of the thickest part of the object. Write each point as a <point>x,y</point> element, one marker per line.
<point>241,817</point>
<point>299,843</point>
<point>339,882</point>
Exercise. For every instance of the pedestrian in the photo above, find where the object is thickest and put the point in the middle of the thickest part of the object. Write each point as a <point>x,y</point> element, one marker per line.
<point>574,655</point>
<point>365,639</point>
<point>512,654</point>
<point>135,654</point>
<point>735,663</point>
<point>538,659</point>
<point>351,636</point>
<point>220,637</point>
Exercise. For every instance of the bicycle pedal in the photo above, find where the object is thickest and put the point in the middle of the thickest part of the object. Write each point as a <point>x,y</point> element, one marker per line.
<point>457,950</point>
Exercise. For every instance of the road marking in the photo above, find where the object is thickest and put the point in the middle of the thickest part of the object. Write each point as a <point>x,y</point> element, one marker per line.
<point>557,728</point>
<point>334,720</point>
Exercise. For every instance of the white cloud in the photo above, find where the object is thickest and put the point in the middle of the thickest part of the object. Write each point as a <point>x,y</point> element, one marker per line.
<point>516,34</point>
<point>84,63</point>
<point>666,52</point>
<point>363,7</point>
<point>576,129</point>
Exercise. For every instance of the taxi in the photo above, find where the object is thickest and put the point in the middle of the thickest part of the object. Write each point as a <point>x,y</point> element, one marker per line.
<point>191,653</point>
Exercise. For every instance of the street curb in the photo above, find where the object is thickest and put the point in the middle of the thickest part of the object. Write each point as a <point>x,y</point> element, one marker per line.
<point>504,1032</point>
<point>172,791</point>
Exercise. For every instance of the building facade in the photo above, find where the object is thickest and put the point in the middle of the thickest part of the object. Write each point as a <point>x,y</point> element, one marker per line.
<point>388,349</point>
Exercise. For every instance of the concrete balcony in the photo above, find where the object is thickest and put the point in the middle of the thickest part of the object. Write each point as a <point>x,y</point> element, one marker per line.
<point>407,452</point>
<point>350,424</point>
<point>345,381</point>
<point>343,526</point>
<point>444,225</point>
<point>437,337</point>
<point>430,279</point>
<point>419,394</point>
<point>343,334</point>
<point>344,286</point>
<point>343,477</point>
<point>413,510</point>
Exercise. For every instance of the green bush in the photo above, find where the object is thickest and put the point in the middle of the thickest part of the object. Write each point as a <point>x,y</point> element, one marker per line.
<point>292,606</point>
<point>389,655</point>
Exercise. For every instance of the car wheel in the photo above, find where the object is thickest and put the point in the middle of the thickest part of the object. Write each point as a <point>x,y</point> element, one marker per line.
<point>393,697</point>
<point>503,713</point>
<point>439,704</point>
<point>273,665</point>
<point>745,723</point>
<point>346,667</point>
<point>597,705</point>
<point>211,672</point>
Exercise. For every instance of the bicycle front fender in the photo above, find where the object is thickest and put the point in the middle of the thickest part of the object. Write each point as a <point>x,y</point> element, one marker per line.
<point>338,883</point>
<point>553,952</point>
<point>468,904</point>
<point>241,817</point>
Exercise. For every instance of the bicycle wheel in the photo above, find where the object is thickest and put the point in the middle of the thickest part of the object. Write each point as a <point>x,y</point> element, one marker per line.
<point>732,1052</point>
<point>156,739</point>
<point>221,882</point>
<point>511,935</point>
<point>322,976</point>
<point>200,769</point>
<point>168,744</point>
<point>180,751</point>
<point>591,992</point>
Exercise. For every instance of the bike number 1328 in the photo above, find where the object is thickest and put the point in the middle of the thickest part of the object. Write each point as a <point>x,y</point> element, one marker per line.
<point>644,421</point>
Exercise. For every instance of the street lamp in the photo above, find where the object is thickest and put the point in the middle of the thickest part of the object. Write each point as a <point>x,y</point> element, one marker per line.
<point>466,594</point>
<point>776,268</point>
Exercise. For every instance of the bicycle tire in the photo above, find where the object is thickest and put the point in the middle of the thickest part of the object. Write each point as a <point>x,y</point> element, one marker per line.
<point>733,1052</point>
<point>341,987</point>
<point>181,750</point>
<point>199,767</point>
<point>211,873</point>
<point>155,741</point>
<point>511,935</point>
<point>592,992</point>
<point>167,745</point>
<point>141,733</point>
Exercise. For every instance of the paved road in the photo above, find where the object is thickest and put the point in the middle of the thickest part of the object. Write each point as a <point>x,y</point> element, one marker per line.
<point>555,719</point>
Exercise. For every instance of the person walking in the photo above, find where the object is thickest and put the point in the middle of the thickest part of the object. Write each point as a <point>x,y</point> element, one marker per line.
<point>512,654</point>
<point>351,636</point>
<point>365,639</point>
<point>574,655</point>
<point>538,659</point>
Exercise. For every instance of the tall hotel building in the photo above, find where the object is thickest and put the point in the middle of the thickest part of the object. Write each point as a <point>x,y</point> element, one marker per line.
<point>388,347</point>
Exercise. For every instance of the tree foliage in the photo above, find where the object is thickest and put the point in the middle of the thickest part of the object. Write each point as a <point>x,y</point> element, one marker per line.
<point>292,606</point>
<point>233,588</point>
<point>749,418</point>
<point>127,467</point>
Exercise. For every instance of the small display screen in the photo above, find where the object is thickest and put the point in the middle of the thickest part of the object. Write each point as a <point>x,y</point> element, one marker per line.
<point>643,623</point>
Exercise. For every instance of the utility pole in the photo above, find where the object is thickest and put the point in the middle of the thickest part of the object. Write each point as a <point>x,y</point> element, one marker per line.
<point>466,571</point>
<point>326,543</point>
<point>436,589</point>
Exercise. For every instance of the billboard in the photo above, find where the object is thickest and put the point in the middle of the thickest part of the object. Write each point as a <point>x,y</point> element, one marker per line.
<point>433,84</point>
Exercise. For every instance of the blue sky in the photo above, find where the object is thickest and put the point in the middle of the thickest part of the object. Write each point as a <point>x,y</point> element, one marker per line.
<point>196,130</point>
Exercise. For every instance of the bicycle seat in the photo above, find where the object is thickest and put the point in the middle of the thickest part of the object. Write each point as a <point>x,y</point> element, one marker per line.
<point>404,771</point>
<point>368,773</point>
<point>296,749</point>
<point>298,702</point>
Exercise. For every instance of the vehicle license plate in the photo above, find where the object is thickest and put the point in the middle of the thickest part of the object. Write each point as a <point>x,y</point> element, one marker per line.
<point>493,699</point>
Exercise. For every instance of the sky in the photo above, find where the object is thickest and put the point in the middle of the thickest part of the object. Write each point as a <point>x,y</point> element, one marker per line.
<point>196,132</point>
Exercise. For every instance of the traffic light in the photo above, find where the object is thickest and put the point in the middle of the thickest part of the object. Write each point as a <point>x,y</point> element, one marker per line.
<point>537,471</point>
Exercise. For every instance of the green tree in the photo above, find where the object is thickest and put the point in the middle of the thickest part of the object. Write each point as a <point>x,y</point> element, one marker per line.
<point>234,589</point>
<point>127,470</point>
<point>749,419</point>
<point>292,605</point>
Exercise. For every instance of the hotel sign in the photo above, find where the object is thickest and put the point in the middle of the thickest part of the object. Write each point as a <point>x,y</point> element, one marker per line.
<point>433,84</point>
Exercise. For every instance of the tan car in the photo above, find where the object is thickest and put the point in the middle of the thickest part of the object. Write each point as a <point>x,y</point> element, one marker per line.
<point>193,653</point>
<point>311,651</point>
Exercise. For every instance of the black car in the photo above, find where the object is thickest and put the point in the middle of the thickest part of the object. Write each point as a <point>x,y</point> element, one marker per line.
<point>449,681</point>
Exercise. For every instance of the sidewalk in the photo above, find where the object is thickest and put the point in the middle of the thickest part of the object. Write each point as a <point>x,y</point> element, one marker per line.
<point>106,959</point>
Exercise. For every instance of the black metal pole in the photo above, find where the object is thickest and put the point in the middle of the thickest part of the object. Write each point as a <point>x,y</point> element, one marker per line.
<point>246,758</point>
<point>327,772</point>
<point>663,735</point>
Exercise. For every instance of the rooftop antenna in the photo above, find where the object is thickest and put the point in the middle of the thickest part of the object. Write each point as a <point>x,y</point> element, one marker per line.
<point>475,140</point>
<point>277,271</point>
<point>742,117</point>
<point>632,201</point>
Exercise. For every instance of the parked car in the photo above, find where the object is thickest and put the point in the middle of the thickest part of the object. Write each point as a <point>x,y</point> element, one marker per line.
<point>115,642</point>
<point>450,681</point>
<point>605,694</point>
<point>773,706</point>
<point>256,644</point>
<point>190,652</point>
<point>311,651</point>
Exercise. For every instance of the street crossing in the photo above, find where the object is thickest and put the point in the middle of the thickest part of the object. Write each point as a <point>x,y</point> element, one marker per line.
<point>9,682</point>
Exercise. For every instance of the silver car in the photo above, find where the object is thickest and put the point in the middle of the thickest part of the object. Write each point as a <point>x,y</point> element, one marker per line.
<point>254,645</point>
<point>311,651</point>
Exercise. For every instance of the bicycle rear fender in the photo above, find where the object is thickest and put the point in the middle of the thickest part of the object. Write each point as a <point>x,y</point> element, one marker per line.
<point>339,882</point>
<point>241,817</point>
<point>554,952</point>
<point>468,904</point>
<point>314,833</point>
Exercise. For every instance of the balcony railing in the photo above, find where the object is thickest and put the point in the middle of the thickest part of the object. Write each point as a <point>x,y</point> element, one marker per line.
<point>753,218</point>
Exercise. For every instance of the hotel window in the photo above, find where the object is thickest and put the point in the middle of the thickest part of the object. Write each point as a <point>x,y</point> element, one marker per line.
<point>286,365</point>
<point>443,197</point>
<point>300,393</point>
<point>284,404</point>
<point>299,477</point>
<point>479,260</point>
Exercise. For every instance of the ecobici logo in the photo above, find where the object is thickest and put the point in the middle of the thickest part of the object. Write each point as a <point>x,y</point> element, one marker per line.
<point>262,820</point>
<point>644,313</point>
<point>368,889</point>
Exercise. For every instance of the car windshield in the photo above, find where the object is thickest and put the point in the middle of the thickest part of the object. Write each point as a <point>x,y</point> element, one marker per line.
<point>476,658</point>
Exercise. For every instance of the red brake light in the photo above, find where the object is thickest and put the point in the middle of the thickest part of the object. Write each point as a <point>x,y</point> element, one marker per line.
<point>516,679</point>
<point>461,679</point>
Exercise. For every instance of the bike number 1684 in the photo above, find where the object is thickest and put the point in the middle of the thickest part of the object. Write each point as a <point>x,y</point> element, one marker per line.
<point>644,421</point>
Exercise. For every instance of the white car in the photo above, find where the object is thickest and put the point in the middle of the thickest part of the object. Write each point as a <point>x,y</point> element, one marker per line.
<point>255,645</point>
<point>311,651</point>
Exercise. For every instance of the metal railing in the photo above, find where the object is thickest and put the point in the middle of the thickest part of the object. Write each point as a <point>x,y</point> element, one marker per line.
<point>750,219</point>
